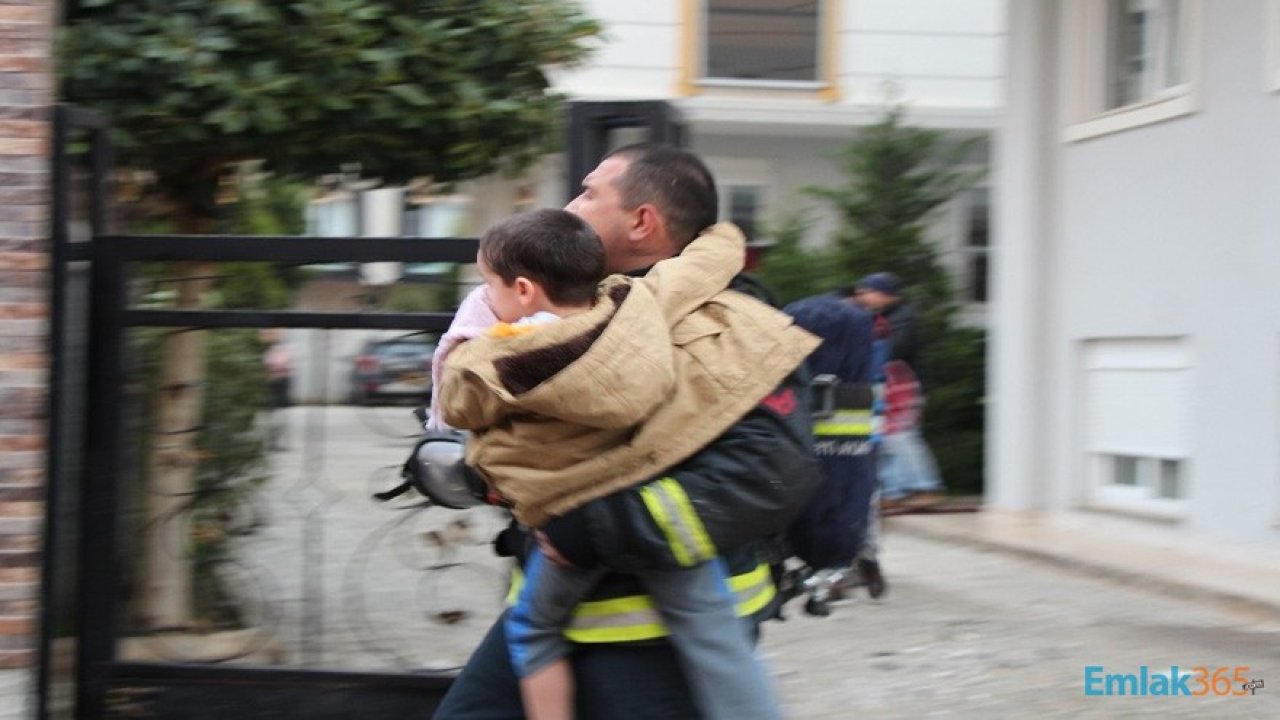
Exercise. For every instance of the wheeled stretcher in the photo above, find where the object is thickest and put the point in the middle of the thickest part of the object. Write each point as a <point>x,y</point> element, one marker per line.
<point>833,528</point>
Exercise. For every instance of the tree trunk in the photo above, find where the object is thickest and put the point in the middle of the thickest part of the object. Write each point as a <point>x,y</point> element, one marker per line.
<point>174,456</point>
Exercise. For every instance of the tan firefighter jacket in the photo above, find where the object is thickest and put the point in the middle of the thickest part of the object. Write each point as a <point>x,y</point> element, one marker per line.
<point>602,400</point>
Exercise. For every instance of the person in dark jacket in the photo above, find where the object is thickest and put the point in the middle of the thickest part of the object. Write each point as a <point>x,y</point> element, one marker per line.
<point>881,294</point>
<point>909,478</point>
<point>647,202</point>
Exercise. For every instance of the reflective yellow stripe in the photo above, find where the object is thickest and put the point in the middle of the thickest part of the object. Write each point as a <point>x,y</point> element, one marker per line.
<point>845,422</point>
<point>614,606</point>
<point>753,590</point>
<point>823,429</point>
<point>654,501</point>
<point>703,550</point>
<point>675,516</point>
<point>635,617</point>
<point>617,633</point>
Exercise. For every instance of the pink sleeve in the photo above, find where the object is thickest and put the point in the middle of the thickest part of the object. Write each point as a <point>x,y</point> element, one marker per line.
<point>472,318</point>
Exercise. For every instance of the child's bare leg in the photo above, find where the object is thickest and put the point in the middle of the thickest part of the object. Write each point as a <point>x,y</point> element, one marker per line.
<point>548,693</point>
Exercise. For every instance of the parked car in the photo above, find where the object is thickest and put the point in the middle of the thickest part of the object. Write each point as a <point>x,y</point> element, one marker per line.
<point>393,367</point>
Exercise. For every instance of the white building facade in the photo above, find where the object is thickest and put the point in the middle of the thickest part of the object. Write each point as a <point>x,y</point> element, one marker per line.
<point>771,90</point>
<point>1135,356</point>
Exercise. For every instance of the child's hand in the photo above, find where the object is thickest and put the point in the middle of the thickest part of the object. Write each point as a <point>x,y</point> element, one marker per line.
<point>553,555</point>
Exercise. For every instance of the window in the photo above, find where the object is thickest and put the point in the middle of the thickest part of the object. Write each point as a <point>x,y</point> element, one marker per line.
<point>1145,43</point>
<point>746,192</point>
<point>762,41</point>
<point>334,215</point>
<point>977,238</point>
<point>1134,62</point>
<point>1137,423</point>
<point>1169,479</point>
<point>742,207</point>
<point>437,216</point>
<point>1151,477</point>
<point>1124,470</point>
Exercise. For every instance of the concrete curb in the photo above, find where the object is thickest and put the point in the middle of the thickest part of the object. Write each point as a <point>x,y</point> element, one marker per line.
<point>1098,548</point>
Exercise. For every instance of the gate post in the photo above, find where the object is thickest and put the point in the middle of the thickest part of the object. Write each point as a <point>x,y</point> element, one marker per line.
<point>70,491</point>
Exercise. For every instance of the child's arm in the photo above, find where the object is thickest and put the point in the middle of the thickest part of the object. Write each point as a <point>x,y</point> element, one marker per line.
<point>473,317</point>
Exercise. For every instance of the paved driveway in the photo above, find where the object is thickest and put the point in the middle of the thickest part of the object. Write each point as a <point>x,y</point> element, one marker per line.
<point>344,582</point>
<point>966,633</point>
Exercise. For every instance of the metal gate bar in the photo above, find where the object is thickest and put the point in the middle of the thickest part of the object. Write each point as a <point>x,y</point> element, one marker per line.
<point>104,686</point>
<point>67,121</point>
<point>100,676</point>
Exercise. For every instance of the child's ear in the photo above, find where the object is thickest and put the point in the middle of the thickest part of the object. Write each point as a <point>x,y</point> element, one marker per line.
<point>526,290</point>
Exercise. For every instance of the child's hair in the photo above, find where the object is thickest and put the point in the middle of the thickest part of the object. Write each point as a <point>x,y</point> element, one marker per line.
<point>554,248</point>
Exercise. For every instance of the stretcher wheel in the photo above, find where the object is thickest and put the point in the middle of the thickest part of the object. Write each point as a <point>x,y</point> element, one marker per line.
<point>817,608</point>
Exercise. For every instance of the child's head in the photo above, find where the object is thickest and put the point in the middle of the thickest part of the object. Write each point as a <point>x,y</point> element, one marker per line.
<point>540,260</point>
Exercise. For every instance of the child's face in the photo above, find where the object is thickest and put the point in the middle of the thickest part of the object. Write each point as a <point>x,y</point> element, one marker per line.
<point>507,301</point>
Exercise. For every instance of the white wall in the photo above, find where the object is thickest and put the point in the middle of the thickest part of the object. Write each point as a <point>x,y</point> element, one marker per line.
<point>638,56</point>
<point>1170,230</point>
<point>940,53</point>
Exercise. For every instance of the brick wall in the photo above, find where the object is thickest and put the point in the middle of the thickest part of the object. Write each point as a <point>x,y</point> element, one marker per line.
<point>26,98</point>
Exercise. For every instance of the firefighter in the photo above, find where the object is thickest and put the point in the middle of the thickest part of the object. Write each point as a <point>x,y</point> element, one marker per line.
<point>647,202</point>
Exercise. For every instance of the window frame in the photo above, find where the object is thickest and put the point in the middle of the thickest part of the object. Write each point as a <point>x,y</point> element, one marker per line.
<point>759,173</point>
<point>694,79</point>
<point>1144,496</point>
<point>1086,65</point>
<point>969,255</point>
<point>1152,354</point>
<point>760,206</point>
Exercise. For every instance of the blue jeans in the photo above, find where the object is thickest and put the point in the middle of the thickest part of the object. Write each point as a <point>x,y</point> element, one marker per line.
<point>625,681</point>
<point>907,466</point>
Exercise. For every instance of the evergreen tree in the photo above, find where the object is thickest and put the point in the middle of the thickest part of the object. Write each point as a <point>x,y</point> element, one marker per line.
<point>895,178</point>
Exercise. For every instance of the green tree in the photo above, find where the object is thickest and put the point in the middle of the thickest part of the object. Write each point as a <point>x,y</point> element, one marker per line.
<point>449,90</point>
<point>895,177</point>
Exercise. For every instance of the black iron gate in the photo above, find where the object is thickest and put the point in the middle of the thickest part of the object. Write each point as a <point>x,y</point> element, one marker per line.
<point>347,635</point>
